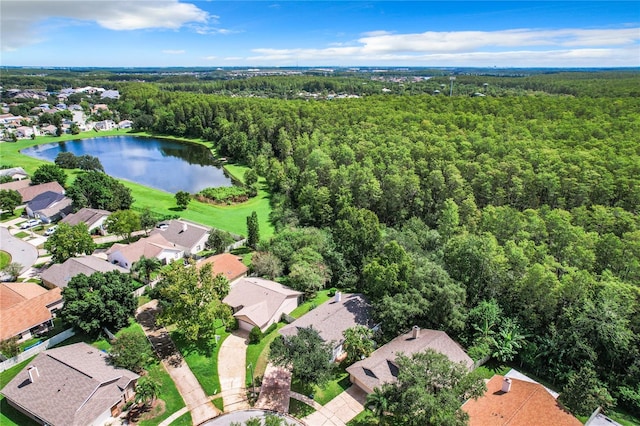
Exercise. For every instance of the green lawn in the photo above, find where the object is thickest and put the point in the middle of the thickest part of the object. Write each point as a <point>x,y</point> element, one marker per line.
<point>258,353</point>
<point>321,297</point>
<point>299,409</point>
<point>365,418</point>
<point>229,218</point>
<point>219,403</point>
<point>183,420</point>
<point>5,259</point>
<point>202,361</point>
<point>168,393</point>
<point>325,393</point>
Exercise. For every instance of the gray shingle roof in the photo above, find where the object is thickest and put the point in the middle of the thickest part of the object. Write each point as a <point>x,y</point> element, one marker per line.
<point>60,274</point>
<point>182,233</point>
<point>380,367</point>
<point>45,200</point>
<point>74,385</point>
<point>332,318</point>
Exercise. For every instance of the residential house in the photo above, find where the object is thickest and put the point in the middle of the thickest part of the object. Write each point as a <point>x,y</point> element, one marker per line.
<point>15,185</point>
<point>125,124</point>
<point>380,366</point>
<point>27,309</point>
<point>226,264</point>
<point>49,206</point>
<point>99,107</point>
<point>156,246</point>
<point>16,173</point>
<point>514,402</point>
<point>332,318</point>
<point>188,236</point>
<point>105,125</point>
<point>72,385</point>
<point>25,132</point>
<point>11,120</point>
<point>28,193</point>
<point>93,218</point>
<point>58,275</point>
<point>49,129</point>
<point>257,302</point>
<point>110,94</point>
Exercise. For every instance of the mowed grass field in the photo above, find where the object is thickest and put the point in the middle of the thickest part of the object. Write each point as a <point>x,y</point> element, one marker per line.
<point>232,218</point>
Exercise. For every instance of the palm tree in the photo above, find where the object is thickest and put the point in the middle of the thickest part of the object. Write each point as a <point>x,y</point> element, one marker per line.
<point>378,403</point>
<point>147,390</point>
<point>145,266</point>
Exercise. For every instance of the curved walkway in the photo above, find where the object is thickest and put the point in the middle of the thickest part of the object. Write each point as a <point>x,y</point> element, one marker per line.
<point>198,403</point>
<point>232,370</point>
<point>21,252</point>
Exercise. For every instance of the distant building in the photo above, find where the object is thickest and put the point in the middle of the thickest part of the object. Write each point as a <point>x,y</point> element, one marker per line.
<point>16,173</point>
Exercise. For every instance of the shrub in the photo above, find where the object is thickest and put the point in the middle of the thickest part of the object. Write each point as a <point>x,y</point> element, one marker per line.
<point>271,328</point>
<point>255,335</point>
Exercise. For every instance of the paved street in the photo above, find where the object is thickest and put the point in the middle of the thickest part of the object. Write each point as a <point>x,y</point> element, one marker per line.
<point>21,252</point>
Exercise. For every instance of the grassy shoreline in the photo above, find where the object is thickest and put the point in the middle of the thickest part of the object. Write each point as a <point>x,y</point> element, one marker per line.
<point>230,218</point>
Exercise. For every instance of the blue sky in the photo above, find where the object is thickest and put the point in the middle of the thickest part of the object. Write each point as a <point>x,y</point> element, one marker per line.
<point>313,33</point>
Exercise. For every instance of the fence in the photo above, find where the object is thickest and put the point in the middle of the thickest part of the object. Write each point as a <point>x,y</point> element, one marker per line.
<point>37,349</point>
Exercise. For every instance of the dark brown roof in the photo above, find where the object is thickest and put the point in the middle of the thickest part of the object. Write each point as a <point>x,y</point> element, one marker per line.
<point>226,264</point>
<point>74,385</point>
<point>380,367</point>
<point>526,404</point>
<point>332,318</point>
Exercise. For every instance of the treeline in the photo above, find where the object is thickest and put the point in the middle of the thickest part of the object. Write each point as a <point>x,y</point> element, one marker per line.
<point>512,223</point>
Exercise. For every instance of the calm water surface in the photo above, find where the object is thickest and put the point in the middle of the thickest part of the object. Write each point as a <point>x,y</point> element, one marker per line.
<point>162,164</point>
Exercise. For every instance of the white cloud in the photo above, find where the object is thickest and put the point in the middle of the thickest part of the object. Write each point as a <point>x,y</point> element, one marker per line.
<point>516,47</point>
<point>210,58</point>
<point>173,52</point>
<point>20,19</point>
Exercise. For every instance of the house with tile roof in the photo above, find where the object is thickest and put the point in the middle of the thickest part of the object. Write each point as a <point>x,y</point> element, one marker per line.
<point>15,185</point>
<point>332,318</point>
<point>58,275</point>
<point>380,366</point>
<point>257,302</point>
<point>49,206</point>
<point>226,264</point>
<point>28,193</point>
<point>26,309</point>
<point>93,218</point>
<point>514,402</point>
<point>73,385</point>
<point>188,236</point>
<point>152,246</point>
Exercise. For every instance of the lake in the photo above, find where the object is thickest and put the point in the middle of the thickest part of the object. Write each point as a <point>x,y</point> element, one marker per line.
<point>159,163</point>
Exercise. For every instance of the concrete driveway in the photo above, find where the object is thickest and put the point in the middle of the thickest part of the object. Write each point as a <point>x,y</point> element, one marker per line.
<point>274,393</point>
<point>232,370</point>
<point>21,252</point>
<point>340,409</point>
<point>194,397</point>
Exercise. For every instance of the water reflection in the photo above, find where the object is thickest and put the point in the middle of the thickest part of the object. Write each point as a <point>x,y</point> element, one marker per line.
<point>162,164</point>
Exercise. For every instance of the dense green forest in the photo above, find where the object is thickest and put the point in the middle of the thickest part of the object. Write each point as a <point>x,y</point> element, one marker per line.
<point>509,221</point>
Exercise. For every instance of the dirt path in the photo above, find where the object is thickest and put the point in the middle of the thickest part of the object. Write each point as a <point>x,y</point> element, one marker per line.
<point>232,370</point>
<point>194,397</point>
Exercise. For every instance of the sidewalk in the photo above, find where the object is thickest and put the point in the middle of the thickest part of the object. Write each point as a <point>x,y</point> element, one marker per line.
<point>197,401</point>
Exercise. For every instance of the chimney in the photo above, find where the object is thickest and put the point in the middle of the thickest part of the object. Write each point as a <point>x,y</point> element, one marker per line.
<point>33,373</point>
<point>184,227</point>
<point>338,296</point>
<point>506,385</point>
<point>415,332</point>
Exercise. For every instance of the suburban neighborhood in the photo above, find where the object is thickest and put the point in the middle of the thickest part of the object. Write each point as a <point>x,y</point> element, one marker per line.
<point>318,247</point>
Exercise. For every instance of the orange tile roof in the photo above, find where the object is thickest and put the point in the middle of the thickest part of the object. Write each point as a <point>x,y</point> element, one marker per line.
<point>226,264</point>
<point>19,313</point>
<point>526,404</point>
